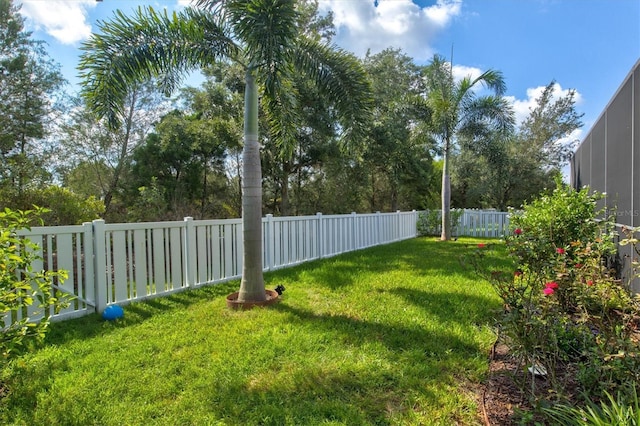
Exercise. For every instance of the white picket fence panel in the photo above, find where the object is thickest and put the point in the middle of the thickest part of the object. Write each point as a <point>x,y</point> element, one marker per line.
<point>121,263</point>
<point>482,223</point>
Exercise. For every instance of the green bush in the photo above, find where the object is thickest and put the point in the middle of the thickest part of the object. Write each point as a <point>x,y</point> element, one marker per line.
<point>562,221</point>
<point>63,207</point>
<point>565,310</point>
<point>22,288</point>
<point>430,222</point>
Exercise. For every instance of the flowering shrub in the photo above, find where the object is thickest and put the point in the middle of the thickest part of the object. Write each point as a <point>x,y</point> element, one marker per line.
<point>564,310</point>
<point>552,224</point>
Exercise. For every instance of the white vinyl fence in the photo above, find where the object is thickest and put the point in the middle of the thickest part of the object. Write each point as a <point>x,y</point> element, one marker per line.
<point>470,223</point>
<point>121,263</point>
<point>482,223</point>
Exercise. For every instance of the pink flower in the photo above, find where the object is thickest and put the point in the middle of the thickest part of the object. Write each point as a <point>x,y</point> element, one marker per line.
<point>578,265</point>
<point>560,250</point>
<point>547,291</point>
<point>552,285</point>
<point>517,231</point>
<point>481,245</point>
<point>589,283</point>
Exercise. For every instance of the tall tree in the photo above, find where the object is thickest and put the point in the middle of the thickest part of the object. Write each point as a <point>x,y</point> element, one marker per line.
<point>221,98</point>
<point>398,156</point>
<point>457,110</point>
<point>286,169</point>
<point>28,83</point>
<point>500,170</point>
<point>88,141</point>
<point>550,123</point>
<point>263,37</point>
<point>183,159</point>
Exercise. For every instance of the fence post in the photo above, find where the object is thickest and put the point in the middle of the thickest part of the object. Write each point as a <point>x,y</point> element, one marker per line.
<point>320,236</point>
<point>354,233</point>
<point>269,241</point>
<point>379,226</point>
<point>190,252</point>
<point>88,263</point>
<point>414,229</point>
<point>100,265</point>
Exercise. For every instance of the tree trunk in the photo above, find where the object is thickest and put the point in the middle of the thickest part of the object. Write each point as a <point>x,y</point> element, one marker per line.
<point>204,187</point>
<point>252,285</point>
<point>446,196</point>
<point>394,193</point>
<point>298,195</point>
<point>239,187</point>
<point>372,200</point>
<point>113,184</point>
<point>284,188</point>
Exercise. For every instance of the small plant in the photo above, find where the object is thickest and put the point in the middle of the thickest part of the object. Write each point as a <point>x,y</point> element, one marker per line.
<point>612,411</point>
<point>24,293</point>
<point>631,238</point>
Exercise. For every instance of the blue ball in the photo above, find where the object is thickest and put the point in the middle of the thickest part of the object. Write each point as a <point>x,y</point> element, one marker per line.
<point>112,312</point>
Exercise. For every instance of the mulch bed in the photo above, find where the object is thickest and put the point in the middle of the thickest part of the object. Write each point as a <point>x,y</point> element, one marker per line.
<point>501,397</point>
<point>499,394</point>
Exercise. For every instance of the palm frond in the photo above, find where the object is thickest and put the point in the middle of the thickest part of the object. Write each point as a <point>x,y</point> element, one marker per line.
<point>208,4</point>
<point>267,29</point>
<point>493,80</point>
<point>133,49</point>
<point>281,110</point>
<point>342,78</point>
<point>493,111</point>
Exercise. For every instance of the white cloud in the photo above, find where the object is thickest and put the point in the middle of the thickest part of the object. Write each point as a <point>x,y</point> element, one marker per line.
<point>523,107</point>
<point>65,21</point>
<point>442,12</point>
<point>462,71</point>
<point>361,25</point>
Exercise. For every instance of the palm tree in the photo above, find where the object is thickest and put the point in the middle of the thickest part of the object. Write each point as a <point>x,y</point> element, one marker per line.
<point>456,110</point>
<point>260,35</point>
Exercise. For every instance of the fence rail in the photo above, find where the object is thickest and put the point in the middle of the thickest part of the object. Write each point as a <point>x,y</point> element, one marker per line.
<point>121,263</point>
<point>469,223</point>
<point>482,223</point>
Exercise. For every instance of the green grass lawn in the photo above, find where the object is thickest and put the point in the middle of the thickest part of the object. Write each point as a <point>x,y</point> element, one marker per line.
<point>393,335</point>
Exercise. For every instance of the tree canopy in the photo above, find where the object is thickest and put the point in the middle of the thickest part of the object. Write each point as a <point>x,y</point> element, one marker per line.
<point>264,38</point>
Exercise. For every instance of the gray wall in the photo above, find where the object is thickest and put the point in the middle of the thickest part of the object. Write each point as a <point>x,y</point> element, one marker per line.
<point>608,159</point>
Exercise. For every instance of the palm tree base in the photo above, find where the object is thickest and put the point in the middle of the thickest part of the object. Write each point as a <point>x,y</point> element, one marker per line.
<point>233,303</point>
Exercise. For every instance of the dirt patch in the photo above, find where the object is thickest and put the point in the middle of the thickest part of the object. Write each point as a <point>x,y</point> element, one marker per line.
<point>502,397</point>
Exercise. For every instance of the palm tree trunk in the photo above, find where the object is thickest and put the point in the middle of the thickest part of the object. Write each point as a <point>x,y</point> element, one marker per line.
<point>446,196</point>
<point>252,285</point>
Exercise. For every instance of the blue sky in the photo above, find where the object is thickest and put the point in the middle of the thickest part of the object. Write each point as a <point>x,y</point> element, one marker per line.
<point>586,45</point>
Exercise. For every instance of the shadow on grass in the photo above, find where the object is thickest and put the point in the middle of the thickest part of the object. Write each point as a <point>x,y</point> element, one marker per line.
<point>135,313</point>
<point>318,397</point>
<point>414,363</point>
<point>422,256</point>
<point>411,372</point>
<point>395,337</point>
<point>452,306</point>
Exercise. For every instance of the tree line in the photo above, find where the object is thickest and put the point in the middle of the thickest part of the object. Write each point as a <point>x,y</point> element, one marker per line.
<point>421,135</point>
